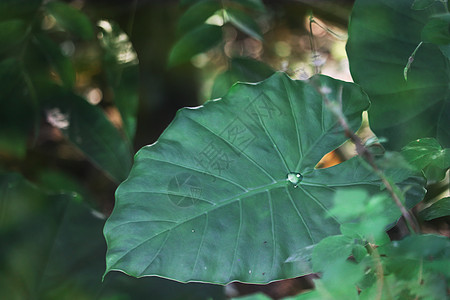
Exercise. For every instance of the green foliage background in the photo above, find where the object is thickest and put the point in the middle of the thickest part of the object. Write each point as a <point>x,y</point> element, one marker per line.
<point>85,84</point>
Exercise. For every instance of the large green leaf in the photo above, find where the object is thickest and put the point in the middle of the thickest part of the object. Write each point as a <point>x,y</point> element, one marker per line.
<point>218,198</point>
<point>382,36</point>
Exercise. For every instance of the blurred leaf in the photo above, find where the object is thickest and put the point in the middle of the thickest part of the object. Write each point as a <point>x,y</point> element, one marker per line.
<point>257,5</point>
<point>443,130</point>
<point>359,252</point>
<point>257,296</point>
<point>189,2</point>
<point>197,14</point>
<point>438,209</point>
<point>122,70</point>
<point>330,250</point>
<point>17,112</point>
<point>12,32</point>
<point>395,166</point>
<point>58,182</point>
<point>423,246</point>
<point>62,64</point>
<point>431,287</point>
<point>54,249</point>
<point>445,49</point>
<point>241,69</point>
<point>71,19</point>
<point>378,48</point>
<point>28,224</point>
<point>24,9</point>
<point>229,168</point>
<point>366,216</point>
<point>87,127</point>
<point>350,204</point>
<point>194,42</point>
<point>436,30</point>
<point>427,154</point>
<point>339,280</point>
<point>422,4</point>
<point>244,22</point>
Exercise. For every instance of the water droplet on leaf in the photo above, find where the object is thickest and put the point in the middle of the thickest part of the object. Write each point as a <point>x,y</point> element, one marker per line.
<point>295,178</point>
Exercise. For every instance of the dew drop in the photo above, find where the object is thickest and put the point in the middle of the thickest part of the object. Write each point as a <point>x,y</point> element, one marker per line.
<point>295,178</point>
<point>193,230</point>
<point>249,271</point>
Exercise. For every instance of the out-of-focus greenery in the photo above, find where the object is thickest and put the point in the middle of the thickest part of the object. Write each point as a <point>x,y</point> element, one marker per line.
<point>84,84</point>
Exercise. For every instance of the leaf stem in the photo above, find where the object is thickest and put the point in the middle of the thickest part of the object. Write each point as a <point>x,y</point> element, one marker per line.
<point>364,153</point>
<point>313,48</point>
<point>410,61</point>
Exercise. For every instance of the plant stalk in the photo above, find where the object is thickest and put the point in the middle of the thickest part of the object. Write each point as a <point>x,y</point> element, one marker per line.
<point>364,153</point>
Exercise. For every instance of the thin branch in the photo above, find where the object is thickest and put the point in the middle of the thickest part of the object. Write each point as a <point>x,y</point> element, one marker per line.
<point>363,152</point>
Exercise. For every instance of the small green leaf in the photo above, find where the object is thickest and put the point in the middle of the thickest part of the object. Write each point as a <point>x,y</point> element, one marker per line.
<point>62,64</point>
<point>197,14</point>
<point>428,155</point>
<point>339,279</point>
<point>71,19</point>
<point>12,32</point>
<point>244,22</point>
<point>422,4</point>
<point>436,30</point>
<point>438,209</point>
<point>194,42</point>
<point>359,252</point>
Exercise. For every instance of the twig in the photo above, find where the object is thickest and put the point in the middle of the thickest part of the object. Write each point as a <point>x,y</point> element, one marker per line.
<point>363,152</point>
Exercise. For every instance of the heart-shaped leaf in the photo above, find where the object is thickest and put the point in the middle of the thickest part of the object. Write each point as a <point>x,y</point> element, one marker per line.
<point>230,189</point>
